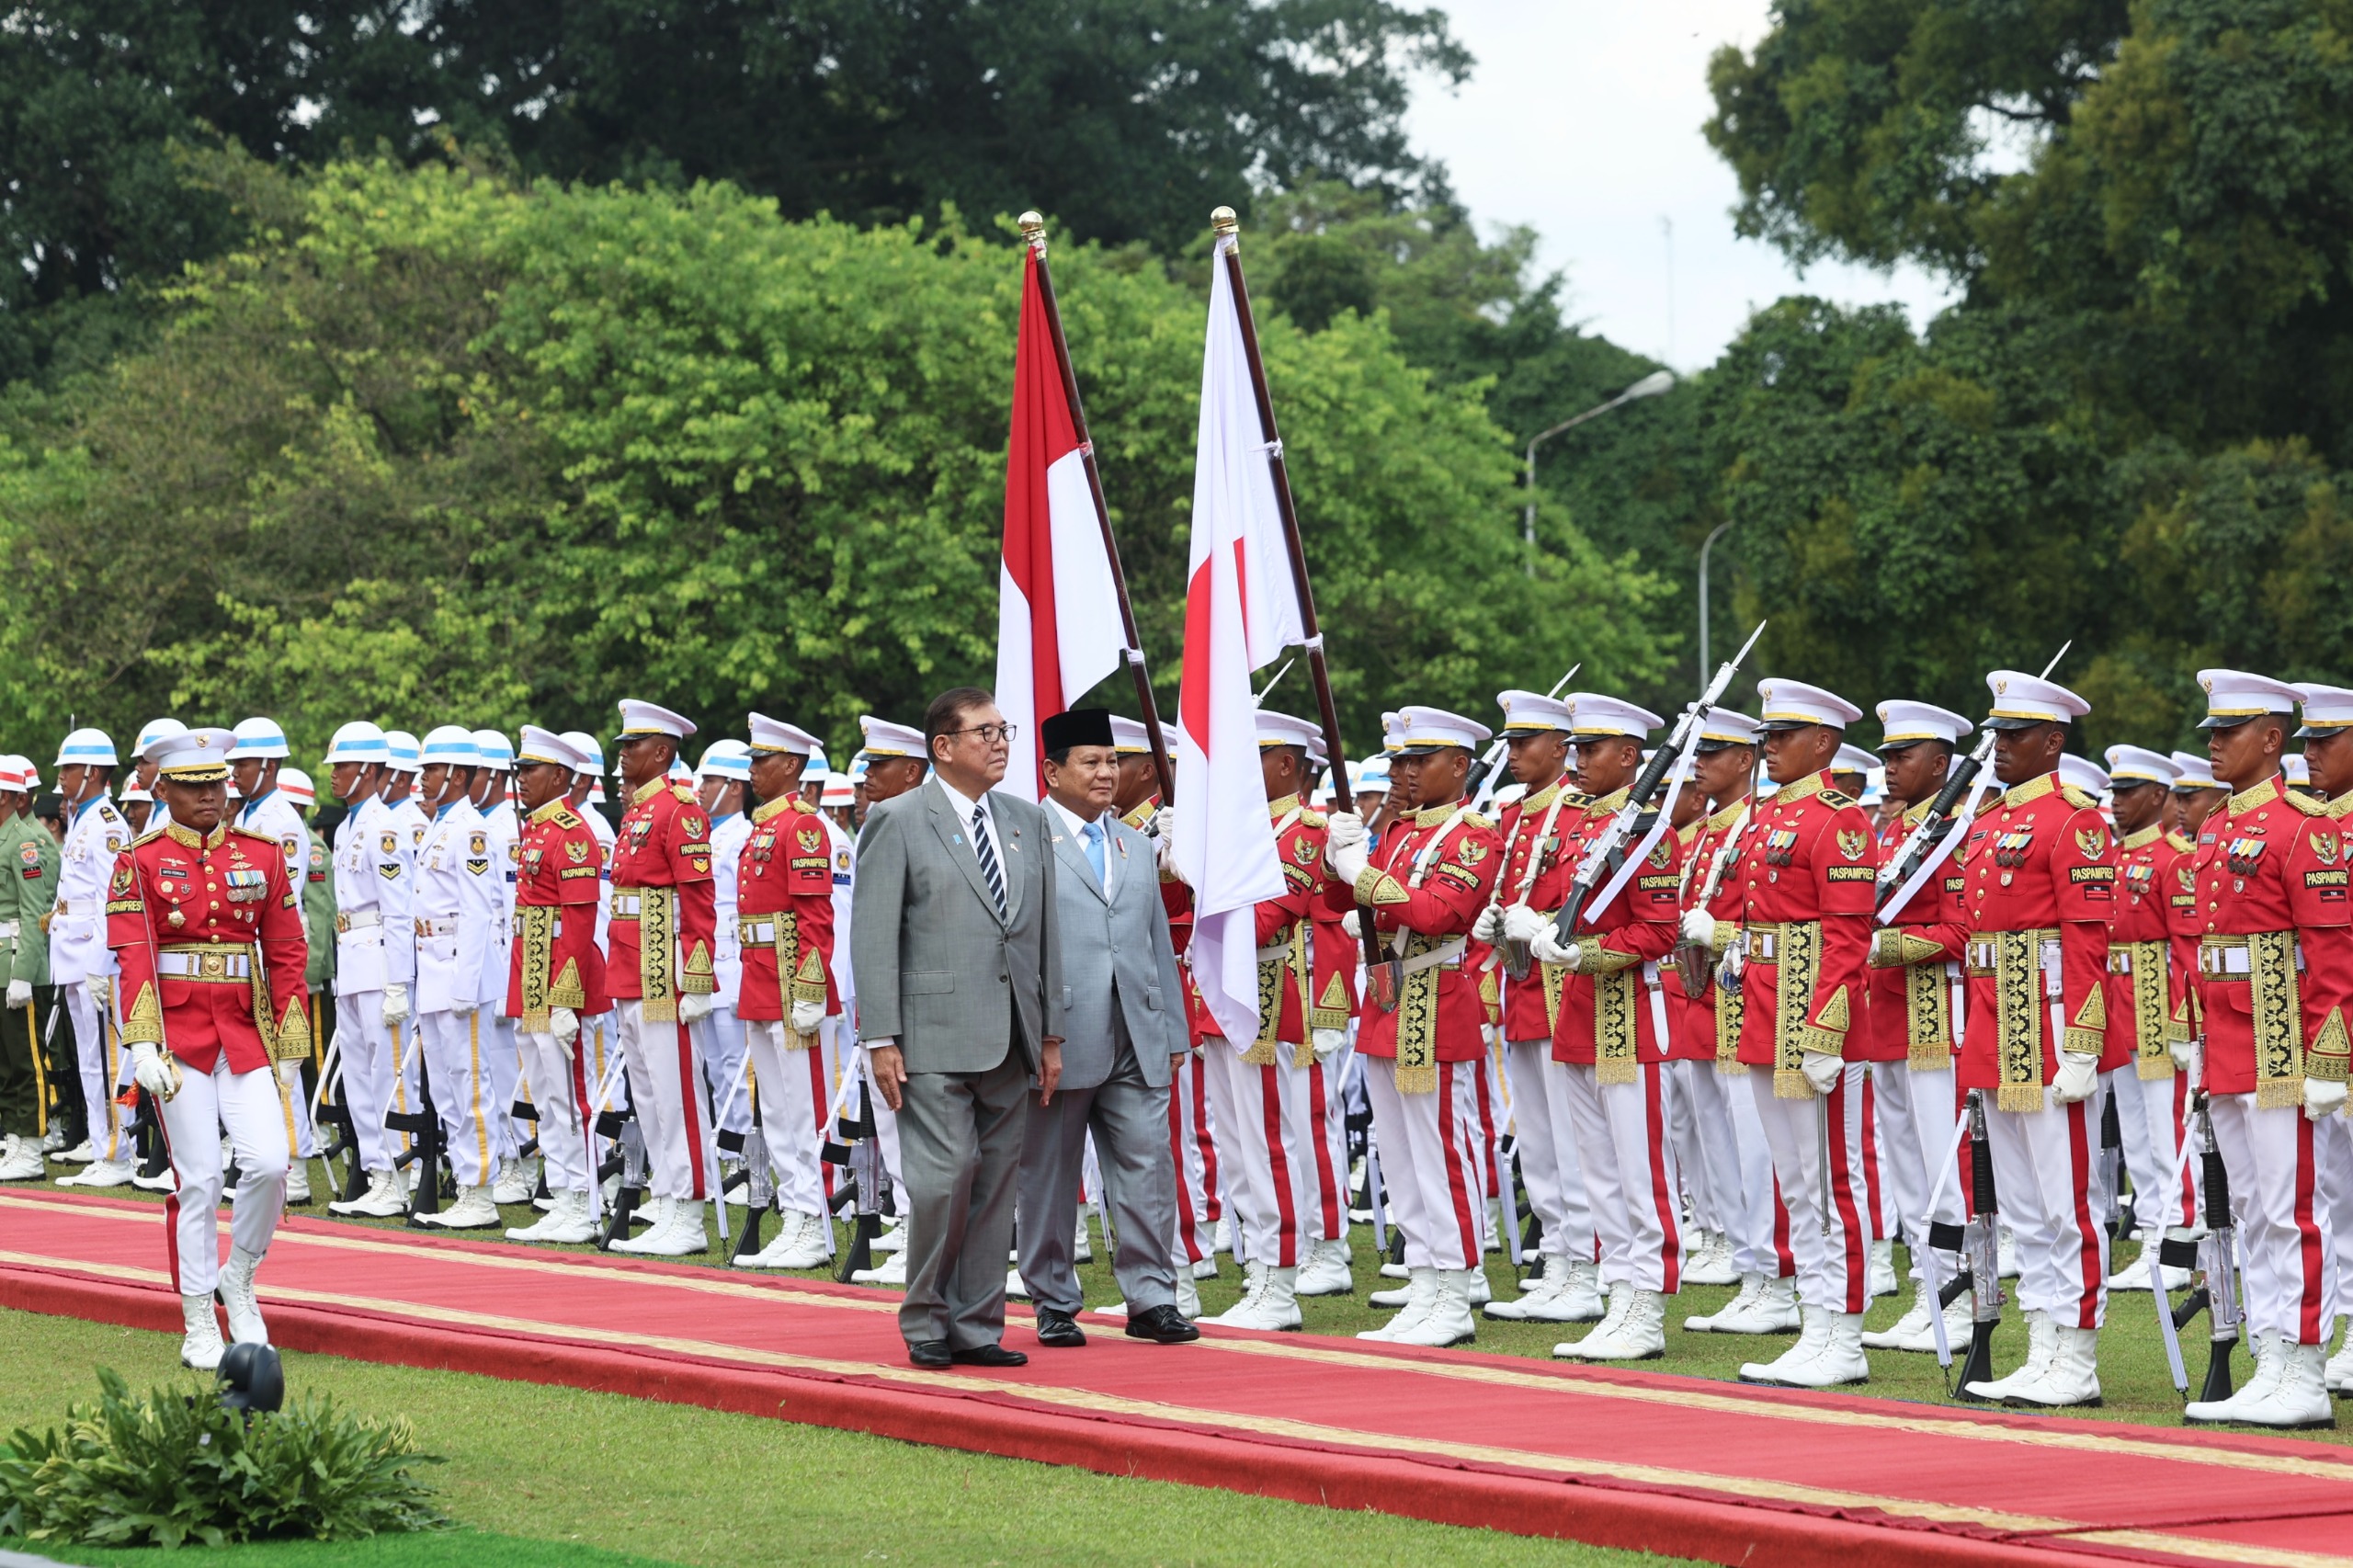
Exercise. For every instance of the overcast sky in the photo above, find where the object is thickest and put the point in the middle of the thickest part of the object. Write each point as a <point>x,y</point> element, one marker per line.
<point>1582,119</point>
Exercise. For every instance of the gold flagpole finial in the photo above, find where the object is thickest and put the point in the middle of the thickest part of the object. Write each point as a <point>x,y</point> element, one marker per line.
<point>1223,220</point>
<point>1033,228</point>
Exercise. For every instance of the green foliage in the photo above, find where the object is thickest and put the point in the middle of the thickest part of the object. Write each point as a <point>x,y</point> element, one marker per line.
<point>177,1467</point>
<point>437,447</point>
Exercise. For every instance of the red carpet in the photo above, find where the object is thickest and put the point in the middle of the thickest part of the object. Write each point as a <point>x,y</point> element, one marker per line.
<point>1669,1464</point>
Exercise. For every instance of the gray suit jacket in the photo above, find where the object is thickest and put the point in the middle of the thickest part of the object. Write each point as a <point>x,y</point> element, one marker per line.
<point>937,969</point>
<point>1124,940</point>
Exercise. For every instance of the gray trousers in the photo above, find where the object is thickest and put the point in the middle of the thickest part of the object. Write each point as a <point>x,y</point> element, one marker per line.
<point>1130,1120</point>
<point>959,1147</point>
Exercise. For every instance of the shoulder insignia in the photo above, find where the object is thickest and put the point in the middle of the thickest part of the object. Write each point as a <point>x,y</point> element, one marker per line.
<point>2180,841</point>
<point>1471,851</point>
<point>1472,819</point>
<point>1312,819</point>
<point>124,880</point>
<point>2092,842</point>
<point>683,793</point>
<point>1852,843</point>
<point>147,837</point>
<point>2305,804</point>
<point>1837,802</point>
<point>390,844</point>
<point>242,832</point>
<point>2078,798</point>
<point>562,816</point>
<point>2325,845</point>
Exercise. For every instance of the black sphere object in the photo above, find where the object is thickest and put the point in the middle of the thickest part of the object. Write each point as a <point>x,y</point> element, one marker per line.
<point>252,1379</point>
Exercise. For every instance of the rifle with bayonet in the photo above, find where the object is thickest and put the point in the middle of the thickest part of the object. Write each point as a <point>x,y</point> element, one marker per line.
<point>1980,1256</point>
<point>865,1192</point>
<point>2215,1254</point>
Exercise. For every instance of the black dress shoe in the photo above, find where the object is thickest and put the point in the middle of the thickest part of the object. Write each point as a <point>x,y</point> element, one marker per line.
<point>1162,1326</point>
<point>929,1353</point>
<point>1058,1330</point>
<point>988,1356</point>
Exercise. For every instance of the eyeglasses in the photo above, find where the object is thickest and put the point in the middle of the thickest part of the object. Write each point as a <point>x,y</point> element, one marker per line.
<point>991,733</point>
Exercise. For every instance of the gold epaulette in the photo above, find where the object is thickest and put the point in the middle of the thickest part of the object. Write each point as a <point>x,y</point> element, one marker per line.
<point>1837,801</point>
<point>686,796</point>
<point>1309,817</point>
<point>248,833</point>
<point>2078,798</point>
<point>1472,819</point>
<point>153,832</point>
<point>2306,804</point>
<point>564,816</point>
<point>2181,842</point>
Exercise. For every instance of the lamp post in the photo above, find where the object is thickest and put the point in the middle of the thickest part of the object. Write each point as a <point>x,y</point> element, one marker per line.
<point>1705,546</point>
<point>1651,385</point>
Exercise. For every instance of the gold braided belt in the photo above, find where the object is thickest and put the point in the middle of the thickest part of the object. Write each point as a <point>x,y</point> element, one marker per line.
<point>2266,962</point>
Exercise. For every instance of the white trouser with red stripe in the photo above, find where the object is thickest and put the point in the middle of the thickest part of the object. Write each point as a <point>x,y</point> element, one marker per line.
<point>2333,1154</point>
<point>1190,1151</point>
<point>1327,1219</point>
<point>1740,1171</point>
<point>1429,1166</point>
<point>248,1106</point>
<point>1818,1148</point>
<point>1267,1149</point>
<point>1548,1153</point>
<point>1683,1136</point>
<point>673,1106</point>
<point>1631,1177</point>
<point>559,1083</point>
<point>457,1059</point>
<point>2145,1116</point>
<point>795,1093</point>
<point>1917,1108</point>
<point>2287,1264</point>
<point>2043,1165</point>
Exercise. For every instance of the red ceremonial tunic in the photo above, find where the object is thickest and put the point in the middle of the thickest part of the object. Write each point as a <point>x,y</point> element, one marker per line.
<point>556,962</point>
<point>665,917</point>
<point>1426,884</point>
<point>2144,982</point>
<point>1539,832</point>
<point>784,908</point>
<point>1708,1031</point>
<point>1807,878</point>
<point>1916,960</point>
<point>208,933</point>
<point>1613,1003</point>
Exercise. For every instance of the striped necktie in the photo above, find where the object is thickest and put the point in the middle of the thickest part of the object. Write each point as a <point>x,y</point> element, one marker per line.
<point>985,850</point>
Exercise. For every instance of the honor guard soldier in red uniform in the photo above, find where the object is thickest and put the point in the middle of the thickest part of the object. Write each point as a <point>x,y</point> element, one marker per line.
<point>2147,975</point>
<point>208,934</point>
<point>1421,1033</point>
<point>2327,735</point>
<point>1540,831</point>
<point>784,906</point>
<point>1916,1010</point>
<point>2275,976</point>
<point>556,976</point>
<point>1731,1133</point>
<point>1807,873</point>
<point>2038,869</point>
<point>660,973</point>
<point>1611,1036</point>
<point>1273,1136</point>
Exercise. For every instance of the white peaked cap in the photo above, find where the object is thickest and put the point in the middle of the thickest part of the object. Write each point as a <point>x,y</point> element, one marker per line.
<point>1593,716</point>
<point>1906,724</point>
<point>257,737</point>
<point>546,745</point>
<point>641,718</point>
<point>1284,729</point>
<point>2021,700</point>
<point>359,741</point>
<point>1129,737</point>
<point>882,738</point>
<point>2082,773</point>
<point>1853,759</point>
<point>1392,731</point>
<point>775,734</point>
<point>1428,728</point>
<point>1531,712</point>
<point>2233,697</point>
<point>1722,727</point>
<point>2326,708</point>
<point>1792,705</point>
<point>197,756</point>
<point>2299,771</point>
<point>2197,772</point>
<point>2138,765</point>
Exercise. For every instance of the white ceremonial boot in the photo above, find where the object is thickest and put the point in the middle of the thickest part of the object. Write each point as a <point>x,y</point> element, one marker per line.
<point>1621,1302</point>
<point>2289,1391</point>
<point>2041,1345</point>
<point>382,1200</point>
<point>655,1211</point>
<point>1773,1310</point>
<point>1638,1334</point>
<point>2072,1378</point>
<point>1711,1263</point>
<point>1788,1368</point>
<point>1914,1321</point>
<point>1420,1290</point>
<point>164,1180</point>
<point>473,1210</point>
<point>2337,1374</point>
<point>892,1270</point>
<point>80,1155</point>
<point>808,1249</point>
<point>1579,1301</point>
<point>297,1181</point>
<point>681,1233</point>
<point>1270,1302</point>
<point>1189,1297</point>
<point>1840,1361</point>
<point>244,1307</point>
<point>1915,1331</point>
<point>1083,1246</point>
<point>1205,1269</point>
<point>1326,1272</point>
<point>1477,1291</point>
<point>1750,1284</point>
<point>513,1184</point>
<point>200,1348</point>
<point>1016,1289</point>
<point>1552,1274</point>
<point>1447,1321</point>
<point>101,1173</point>
<point>1221,1239</point>
<point>23,1162</point>
<point>1878,1274</point>
<point>892,1240</point>
<point>566,1222</point>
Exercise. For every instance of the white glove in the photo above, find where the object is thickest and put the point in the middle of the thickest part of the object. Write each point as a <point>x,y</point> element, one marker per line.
<point>807,1016</point>
<point>21,993</point>
<point>1327,1044</point>
<point>290,1073</point>
<point>565,1024</point>
<point>1344,827</point>
<point>395,1005</point>
<point>1699,928</point>
<point>2324,1098</point>
<point>1353,924</point>
<point>155,1072</point>
<point>1164,840</point>
<point>463,1009</point>
<point>2185,1055</point>
<point>1489,926</point>
<point>695,1007</point>
<point>1348,860</point>
<point>1549,947</point>
<point>2078,1076</point>
<point>1822,1070</point>
<point>1521,924</point>
<point>1729,968</point>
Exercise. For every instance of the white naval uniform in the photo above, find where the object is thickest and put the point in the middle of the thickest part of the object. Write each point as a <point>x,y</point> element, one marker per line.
<point>374,946</point>
<point>83,966</point>
<point>501,1057</point>
<point>274,817</point>
<point>724,1068</point>
<point>455,904</point>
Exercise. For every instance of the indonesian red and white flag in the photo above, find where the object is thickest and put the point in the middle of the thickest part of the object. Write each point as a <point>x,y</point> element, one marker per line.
<point>1058,628</point>
<point>1241,612</point>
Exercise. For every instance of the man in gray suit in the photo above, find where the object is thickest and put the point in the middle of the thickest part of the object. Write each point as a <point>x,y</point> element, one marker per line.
<point>1123,1032</point>
<point>960,1001</point>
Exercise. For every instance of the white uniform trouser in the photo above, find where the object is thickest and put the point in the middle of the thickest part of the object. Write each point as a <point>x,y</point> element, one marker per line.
<point>2333,1158</point>
<point>673,1106</point>
<point>1325,1131</point>
<point>1189,1153</point>
<point>1630,1179</point>
<point>2043,1165</point>
<point>98,1043</point>
<point>723,1073</point>
<point>558,1085</point>
<point>1548,1153</point>
<point>1683,1136</point>
<point>1818,1148</point>
<point>2286,1259</point>
<point>1429,1166</point>
<point>2145,1117</point>
<point>1740,1171</point>
<point>1269,1143</point>
<point>364,1053</point>
<point>1917,1112</point>
<point>502,1066</point>
<point>794,1094</point>
<point>248,1106</point>
<point>457,1053</point>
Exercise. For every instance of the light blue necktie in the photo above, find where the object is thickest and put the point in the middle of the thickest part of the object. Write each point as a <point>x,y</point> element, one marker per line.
<point>1094,832</point>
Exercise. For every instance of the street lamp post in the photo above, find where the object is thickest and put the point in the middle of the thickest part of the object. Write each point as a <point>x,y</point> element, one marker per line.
<point>1651,385</point>
<point>1705,546</point>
